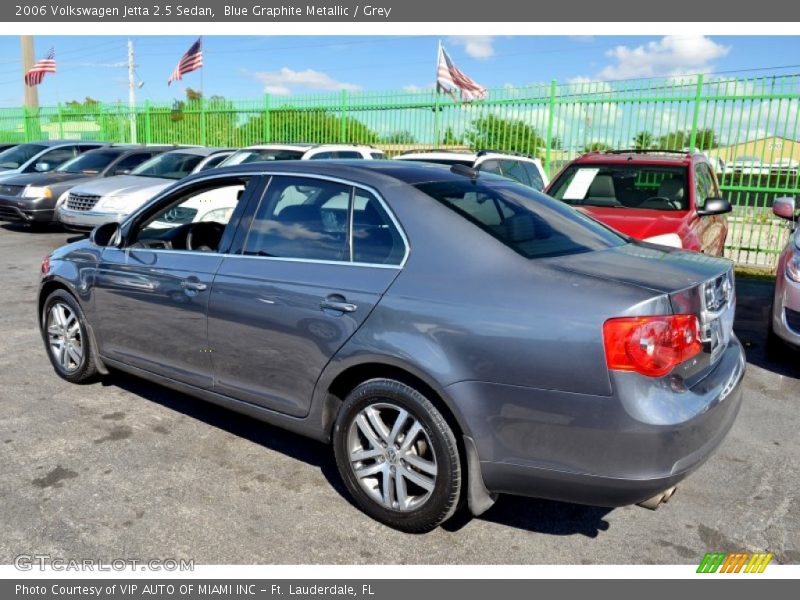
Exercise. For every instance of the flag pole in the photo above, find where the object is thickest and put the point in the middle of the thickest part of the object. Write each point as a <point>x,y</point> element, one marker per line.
<point>437,100</point>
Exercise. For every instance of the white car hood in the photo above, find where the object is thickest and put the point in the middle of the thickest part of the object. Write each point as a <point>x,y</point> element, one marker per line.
<point>123,185</point>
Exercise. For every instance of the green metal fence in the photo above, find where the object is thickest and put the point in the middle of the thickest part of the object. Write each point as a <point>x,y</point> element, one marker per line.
<point>747,126</point>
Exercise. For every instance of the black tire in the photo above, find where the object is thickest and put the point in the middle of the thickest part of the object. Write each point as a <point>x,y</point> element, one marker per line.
<point>85,369</point>
<point>438,443</point>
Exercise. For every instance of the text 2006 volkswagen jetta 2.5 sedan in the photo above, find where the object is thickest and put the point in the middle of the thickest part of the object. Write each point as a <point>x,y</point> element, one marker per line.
<point>455,335</point>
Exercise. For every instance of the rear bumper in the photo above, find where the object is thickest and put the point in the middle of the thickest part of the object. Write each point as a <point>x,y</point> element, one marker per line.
<point>600,450</point>
<point>24,210</point>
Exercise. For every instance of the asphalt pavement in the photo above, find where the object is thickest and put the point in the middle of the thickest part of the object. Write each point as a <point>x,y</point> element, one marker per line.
<point>123,468</point>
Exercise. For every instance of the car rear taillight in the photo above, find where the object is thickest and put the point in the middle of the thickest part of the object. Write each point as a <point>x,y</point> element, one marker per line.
<point>45,265</point>
<point>652,346</point>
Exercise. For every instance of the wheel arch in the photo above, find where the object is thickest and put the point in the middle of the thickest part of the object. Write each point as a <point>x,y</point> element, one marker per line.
<point>347,378</point>
<point>46,289</point>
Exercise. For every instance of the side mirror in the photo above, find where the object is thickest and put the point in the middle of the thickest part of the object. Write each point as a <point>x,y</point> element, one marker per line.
<point>784,207</point>
<point>107,234</point>
<point>715,206</point>
<point>43,167</point>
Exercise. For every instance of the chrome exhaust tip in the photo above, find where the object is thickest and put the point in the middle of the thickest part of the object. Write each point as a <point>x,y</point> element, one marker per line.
<point>659,499</point>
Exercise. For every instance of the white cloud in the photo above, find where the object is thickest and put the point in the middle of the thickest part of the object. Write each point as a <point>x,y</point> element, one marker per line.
<point>286,81</point>
<point>417,88</point>
<point>476,46</point>
<point>672,55</point>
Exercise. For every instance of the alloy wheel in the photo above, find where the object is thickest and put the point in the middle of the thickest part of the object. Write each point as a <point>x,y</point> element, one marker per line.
<point>391,456</point>
<point>65,340</point>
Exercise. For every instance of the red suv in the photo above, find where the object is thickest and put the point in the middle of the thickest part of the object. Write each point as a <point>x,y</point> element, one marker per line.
<point>663,197</point>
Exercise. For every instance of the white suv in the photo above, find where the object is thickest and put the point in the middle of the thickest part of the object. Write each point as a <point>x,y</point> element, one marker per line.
<point>524,169</point>
<point>269,152</point>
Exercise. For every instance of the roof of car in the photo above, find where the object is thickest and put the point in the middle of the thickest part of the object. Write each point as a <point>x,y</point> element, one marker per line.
<point>198,150</point>
<point>49,143</point>
<point>640,156</point>
<point>359,171</point>
<point>304,146</point>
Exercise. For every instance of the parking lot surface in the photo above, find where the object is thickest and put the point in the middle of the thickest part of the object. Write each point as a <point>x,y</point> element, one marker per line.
<point>123,468</point>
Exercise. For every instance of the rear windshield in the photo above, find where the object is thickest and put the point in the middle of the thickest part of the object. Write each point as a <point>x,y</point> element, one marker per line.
<point>526,221</point>
<point>648,187</point>
<point>258,155</point>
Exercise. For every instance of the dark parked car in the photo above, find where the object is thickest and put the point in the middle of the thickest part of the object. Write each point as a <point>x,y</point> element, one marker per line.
<point>453,334</point>
<point>34,197</point>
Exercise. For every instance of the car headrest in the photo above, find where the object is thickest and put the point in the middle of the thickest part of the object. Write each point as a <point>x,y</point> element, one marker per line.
<point>602,187</point>
<point>299,213</point>
<point>671,188</point>
<point>369,217</point>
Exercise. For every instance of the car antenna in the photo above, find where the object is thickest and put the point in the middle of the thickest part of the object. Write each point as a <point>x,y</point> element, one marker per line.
<point>465,170</point>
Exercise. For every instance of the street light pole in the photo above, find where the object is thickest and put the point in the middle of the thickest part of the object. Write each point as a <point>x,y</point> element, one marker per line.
<point>28,59</point>
<point>131,91</point>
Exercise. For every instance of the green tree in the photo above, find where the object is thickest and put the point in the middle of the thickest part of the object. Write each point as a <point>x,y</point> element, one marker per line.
<point>451,139</point>
<point>643,140</point>
<point>705,139</point>
<point>289,124</point>
<point>596,147</point>
<point>400,137</point>
<point>556,143</point>
<point>508,135</point>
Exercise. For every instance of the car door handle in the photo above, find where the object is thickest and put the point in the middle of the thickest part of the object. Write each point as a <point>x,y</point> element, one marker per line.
<point>338,303</point>
<point>193,286</point>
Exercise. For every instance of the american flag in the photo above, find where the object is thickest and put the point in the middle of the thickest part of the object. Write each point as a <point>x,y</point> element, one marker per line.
<point>449,76</point>
<point>36,73</point>
<point>191,61</point>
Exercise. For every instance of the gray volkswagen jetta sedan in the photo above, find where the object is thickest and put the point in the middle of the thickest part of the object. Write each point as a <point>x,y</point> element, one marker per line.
<point>452,334</point>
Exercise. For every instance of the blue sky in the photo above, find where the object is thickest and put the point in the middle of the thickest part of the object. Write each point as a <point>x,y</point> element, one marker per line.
<point>244,67</point>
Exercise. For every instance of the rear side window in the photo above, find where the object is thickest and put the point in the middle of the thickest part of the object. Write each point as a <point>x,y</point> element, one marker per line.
<point>528,222</point>
<point>375,238</point>
<point>304,218</point>
<point>533,174</point>
<point>513,170</point>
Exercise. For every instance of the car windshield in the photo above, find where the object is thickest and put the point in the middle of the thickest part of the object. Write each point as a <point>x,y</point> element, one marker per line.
<point>646,187</point>
<point>90,163</point>
<point>172,165</point>
<point>526,221</point>
<point>15,157</point>
<point>261,154</point>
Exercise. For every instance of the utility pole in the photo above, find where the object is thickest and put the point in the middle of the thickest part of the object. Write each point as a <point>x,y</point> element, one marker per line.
<point>132,91</point>
<point>28,59</point>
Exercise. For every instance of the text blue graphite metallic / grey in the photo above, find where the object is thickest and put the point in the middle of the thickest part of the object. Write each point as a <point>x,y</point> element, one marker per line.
<point>453,334</point>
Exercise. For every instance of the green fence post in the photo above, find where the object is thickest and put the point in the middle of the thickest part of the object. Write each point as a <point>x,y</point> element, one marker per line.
<point>437,107</point>
<point>696,116</point>
<point>550,120</point>
<point>267,123</point>
<point>60,123</point>
<point>202,121</point>
<point>147,136</point>
<point>25,124</point>
<point>343,119</point>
